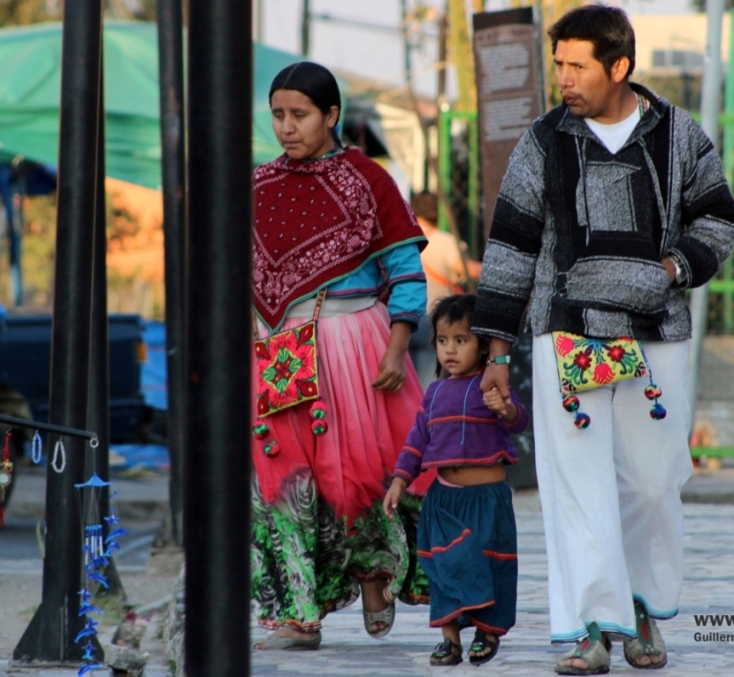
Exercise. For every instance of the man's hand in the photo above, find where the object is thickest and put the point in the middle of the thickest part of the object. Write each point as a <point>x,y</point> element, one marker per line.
<point>669,268</point>
<point>497,375</point>
<point>393,496</point>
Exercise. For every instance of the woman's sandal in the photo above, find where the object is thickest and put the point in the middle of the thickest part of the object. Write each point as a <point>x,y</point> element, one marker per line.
<point>649,641</point>
<point>386,616</point>
<point>309,642</point>
<point>594,650</point>
<point>479,645</point>
<point>446,653</point>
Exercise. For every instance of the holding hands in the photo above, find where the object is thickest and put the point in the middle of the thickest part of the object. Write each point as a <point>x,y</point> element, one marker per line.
<point>504,408</point>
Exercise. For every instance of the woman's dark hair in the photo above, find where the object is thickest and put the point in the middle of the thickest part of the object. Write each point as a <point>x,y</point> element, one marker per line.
<point>453,309</point>
<point>607,28</point>
<point>316,82</point>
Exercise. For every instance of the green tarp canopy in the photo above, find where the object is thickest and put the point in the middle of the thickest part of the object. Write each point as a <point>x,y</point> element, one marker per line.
<point>30,85</point>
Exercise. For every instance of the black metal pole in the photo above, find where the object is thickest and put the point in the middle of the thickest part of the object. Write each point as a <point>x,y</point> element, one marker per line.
<point>443,31</point>
<point>407,69</point>
<point>50,636</point>
<point>306,28</point>
<point>173,165</point>
<point>217,477</point>
<point>98,458</point>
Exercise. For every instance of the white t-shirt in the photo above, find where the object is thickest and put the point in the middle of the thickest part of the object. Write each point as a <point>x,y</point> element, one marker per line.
<point>614,136</point>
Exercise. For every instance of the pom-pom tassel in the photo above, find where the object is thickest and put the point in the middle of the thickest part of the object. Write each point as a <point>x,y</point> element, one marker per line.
<point>318,414</point>
<point>571,404</point>
<point>318,410</point>
<point>318,428</point>
<point>658,413</point>
<point>260,430</point>
<point>582,420</point>
<point>271,449</point>
<point>652,392</point>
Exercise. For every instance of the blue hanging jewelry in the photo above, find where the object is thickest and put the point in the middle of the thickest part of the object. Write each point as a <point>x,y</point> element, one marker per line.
<point>97,550</point>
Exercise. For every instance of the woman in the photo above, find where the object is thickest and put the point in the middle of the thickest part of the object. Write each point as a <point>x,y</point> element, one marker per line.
<point>328,218</point>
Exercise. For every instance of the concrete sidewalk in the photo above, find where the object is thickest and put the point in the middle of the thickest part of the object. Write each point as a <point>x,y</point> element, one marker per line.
<point>710,487</point>
<point>348,651</point>
<point>145,497</point>
<point>138,498</point>
<point>526,651</point>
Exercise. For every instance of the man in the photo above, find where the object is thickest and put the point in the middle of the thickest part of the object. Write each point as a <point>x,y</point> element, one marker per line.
<point>613,204</point>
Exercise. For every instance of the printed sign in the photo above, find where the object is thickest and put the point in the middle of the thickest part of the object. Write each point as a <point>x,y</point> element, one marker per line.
<point>510,90</point>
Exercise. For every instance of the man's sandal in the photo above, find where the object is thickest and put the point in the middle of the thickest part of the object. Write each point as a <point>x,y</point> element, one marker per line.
<point>649,642</point>
<point>446,653</point>
<point>479,645</point>
<point>593,650</point>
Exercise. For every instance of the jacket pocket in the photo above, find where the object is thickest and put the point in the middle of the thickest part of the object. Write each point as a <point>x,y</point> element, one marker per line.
<point>631,285</point>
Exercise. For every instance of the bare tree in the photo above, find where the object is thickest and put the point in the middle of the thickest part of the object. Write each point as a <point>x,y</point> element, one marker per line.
<point>700,5</point>
<point>24,12</point>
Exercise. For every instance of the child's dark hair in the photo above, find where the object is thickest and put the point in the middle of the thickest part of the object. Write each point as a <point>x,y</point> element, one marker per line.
<point>453,309</point>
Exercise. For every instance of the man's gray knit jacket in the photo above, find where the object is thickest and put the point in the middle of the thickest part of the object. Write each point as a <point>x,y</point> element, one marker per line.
<point>578,234</point>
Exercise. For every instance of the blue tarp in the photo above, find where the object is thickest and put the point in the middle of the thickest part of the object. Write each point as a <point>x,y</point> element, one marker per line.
<point>151,456</point>
<point>155,389</point>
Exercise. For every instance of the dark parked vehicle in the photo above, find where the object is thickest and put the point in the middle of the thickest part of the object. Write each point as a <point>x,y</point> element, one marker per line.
<point>25,366</point>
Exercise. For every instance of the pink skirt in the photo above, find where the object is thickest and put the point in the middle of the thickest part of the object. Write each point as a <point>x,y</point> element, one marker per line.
<point>353,461</point>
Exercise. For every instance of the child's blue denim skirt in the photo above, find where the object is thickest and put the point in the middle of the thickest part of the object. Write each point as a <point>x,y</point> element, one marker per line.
<point>467,544</point>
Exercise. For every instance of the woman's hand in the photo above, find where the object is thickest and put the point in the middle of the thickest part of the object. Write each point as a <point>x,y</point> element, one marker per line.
<point>392,372</point>
<point>391,376</point>
<point>393,496</point>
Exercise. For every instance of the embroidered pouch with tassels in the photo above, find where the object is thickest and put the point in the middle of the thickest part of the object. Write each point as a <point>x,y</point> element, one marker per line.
<point>287,370</point>
<point>586,363</point>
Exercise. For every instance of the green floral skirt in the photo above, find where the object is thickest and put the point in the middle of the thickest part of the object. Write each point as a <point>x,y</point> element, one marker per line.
<point>306,563</point>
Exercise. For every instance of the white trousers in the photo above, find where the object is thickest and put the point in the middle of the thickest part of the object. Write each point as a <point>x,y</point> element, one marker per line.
<point>611,494</point>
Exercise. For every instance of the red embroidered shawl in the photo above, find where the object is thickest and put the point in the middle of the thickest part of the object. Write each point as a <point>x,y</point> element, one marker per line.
<point>318,222</point>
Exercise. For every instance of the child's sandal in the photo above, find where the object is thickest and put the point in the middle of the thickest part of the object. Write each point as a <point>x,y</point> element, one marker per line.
<point>446,653</point>
<point>481,643</point>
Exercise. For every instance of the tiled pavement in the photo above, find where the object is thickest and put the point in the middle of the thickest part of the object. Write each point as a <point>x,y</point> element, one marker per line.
<point>347,651</point>
<point>526,652</point>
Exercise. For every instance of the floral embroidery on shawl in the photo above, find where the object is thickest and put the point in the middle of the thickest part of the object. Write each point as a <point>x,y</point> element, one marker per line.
<point>316,222</point>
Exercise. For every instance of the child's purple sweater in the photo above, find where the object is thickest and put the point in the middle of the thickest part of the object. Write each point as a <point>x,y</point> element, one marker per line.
<point>454,427</point>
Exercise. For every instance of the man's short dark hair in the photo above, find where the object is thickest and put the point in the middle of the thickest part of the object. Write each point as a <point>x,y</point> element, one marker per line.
<point>607,28</point>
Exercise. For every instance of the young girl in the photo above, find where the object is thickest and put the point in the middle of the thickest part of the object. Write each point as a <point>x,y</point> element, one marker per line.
<point>467,542</point>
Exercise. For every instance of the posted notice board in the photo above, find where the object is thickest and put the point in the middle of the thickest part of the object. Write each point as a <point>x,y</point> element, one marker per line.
<point>510,90</point>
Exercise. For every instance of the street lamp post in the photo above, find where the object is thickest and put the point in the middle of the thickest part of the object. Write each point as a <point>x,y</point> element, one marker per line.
<point>50,637</point>
<point>217,458</point>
